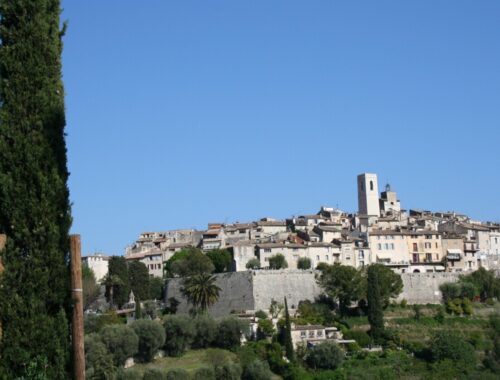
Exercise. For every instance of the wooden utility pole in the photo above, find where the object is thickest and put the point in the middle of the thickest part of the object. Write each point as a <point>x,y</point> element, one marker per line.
<point>77,295</point>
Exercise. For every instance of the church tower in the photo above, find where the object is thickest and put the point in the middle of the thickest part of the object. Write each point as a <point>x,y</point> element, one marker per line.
<point>368,201</point>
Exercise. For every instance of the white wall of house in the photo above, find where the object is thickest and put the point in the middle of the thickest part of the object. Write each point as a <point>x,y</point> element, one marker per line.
<point>98,264</point>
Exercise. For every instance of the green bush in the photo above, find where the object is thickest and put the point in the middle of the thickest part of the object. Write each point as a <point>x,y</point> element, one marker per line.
<point>177,374</point>
<point>265,329</point>
<point>450,345</point>
<point>261,314</point>
<point>361,337</point>
<point>151,338</point>
<point>278,261</point>
<point>205,373</point>
<point>325,355</point>
<point>205,331</point>
<point>257,370</point>
<point>179,334</point>
<point>304,263</point>
<point>229,371</point>
<point>229,333</point>
<point>127,374</point>
<point>155,374</point>
<point>253,264</point>
<point>121,341</point>
<point>98,361</point>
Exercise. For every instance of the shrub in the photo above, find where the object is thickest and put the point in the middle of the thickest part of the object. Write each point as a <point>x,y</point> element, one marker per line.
<point>179,333</point>
<point>325,355</point>
<point>361,337</point>
<point>261,314</point>
<point>205,331</point>
<point>229,371</point>
<point>121,341</point>
<point>449,291</point>
<point>151,337</point>
<point>253,264</point>
<point>155,374</point>
<point>257,370</point>
<point>403,303</point>
<point>229,333</point>
<point>128,374</point>
<point>278,262</point>
<point>449,345</point>
<point>304,263</point>
<point>265,328</point>
<point>98,361</point>
<point>205,373</point>
<point>177,374</point>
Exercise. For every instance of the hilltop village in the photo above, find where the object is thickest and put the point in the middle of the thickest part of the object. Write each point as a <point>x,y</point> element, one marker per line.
<point>407,241</point>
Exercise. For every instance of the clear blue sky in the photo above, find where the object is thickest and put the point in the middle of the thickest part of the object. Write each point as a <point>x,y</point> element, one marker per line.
<point>185,112</point>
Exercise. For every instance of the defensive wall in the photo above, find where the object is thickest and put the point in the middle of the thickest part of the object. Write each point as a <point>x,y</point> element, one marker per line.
<point>256,289</point>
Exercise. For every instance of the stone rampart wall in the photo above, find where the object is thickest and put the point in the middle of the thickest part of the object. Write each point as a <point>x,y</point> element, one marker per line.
<point>254,290</point>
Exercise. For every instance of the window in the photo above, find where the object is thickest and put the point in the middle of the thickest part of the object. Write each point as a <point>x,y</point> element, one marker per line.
<point>319,333</point>
<point>302,334</point>
<point>386,246</point>
<point>415,247</point>
<point>428,257</point>
<point>392,246</point>
<point>371,185</point>
<point>311,334</point>
<point>317,257</point>
<point>379,246</point>
<point>267,250</point>
<point>326,257</point>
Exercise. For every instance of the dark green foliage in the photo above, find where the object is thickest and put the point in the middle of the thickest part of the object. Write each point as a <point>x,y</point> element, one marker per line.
<point>206,373</point>
<point>156,286</point>
<point>325,355</point>
<point>98,361</point>
<point>342,283</point>
<point>94,323</point>
<point>179,334</point>
<point>450,345</point>
<point>151,338</point>
<point>155,374</point>
<point>188,262</point>
<point>229,371</point>
<point>257,370</point>
<point>261,314</point>
<point>417,310</point>
<point>201,290</point>
<point>229,333</point>
<point>138,309</point>
<point>390,283</point>
<point>91,289</point>
<point>314,313</point>
<point>178,374</point>
<point>304,263</point>
<point>485,282</point>
<point>265,328</point>
<point>361,337</point>
<point>206,330</point>
<point>221,259</point>
<point>117,281</point>
<point>278,262</point>
<point>34,197</point>
<point>121,341</point>
<point>138,276</point>
<point>375,312</point>
<point>287,335</point>
<point>253,263</point>
<point>129,374</point>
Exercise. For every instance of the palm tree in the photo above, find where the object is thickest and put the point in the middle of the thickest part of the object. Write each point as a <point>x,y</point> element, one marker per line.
<point>201,291</point>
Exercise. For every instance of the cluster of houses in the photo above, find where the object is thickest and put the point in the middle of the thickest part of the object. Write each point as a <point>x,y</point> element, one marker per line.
<point>381,231</point>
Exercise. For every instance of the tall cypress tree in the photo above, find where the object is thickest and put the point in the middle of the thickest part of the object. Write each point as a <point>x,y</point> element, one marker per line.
<point>34,198</point>
<point>288,335</point>
<point>375,309</point>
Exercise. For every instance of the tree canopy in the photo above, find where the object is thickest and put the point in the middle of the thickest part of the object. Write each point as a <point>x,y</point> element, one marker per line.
<point>35,212</point>
<point>188,262</point>
<point>221,259</point>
